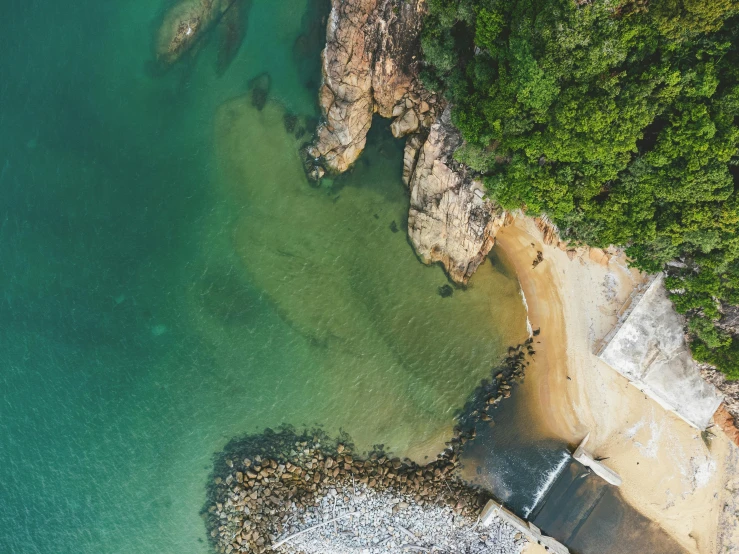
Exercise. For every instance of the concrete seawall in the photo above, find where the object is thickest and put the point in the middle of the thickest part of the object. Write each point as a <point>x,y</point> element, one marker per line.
<point>649,349</point>
<point>495,509</point>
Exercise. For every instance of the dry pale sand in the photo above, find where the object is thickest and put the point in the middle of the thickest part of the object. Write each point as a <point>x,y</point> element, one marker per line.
<point>532,548</point>
<point>669,474</point>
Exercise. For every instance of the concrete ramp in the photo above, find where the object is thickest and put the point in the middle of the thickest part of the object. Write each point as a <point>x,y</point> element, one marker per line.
<point>600,469</point>
<point>649,349</point>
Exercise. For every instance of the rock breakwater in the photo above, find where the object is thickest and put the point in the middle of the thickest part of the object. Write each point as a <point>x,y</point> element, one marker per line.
<point>308,492</point>
<point>365,520</point>
<point>267,483</point>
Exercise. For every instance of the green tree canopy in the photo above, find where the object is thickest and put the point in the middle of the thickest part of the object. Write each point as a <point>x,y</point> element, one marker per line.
<point>617,120</point>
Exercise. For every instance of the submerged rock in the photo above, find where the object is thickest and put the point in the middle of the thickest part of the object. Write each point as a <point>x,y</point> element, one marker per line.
<point>260,87</point>
<point>446,291</point>
<point>183,25</point>
<point>310,42</point>
<point>290,122</point>
<point>231,33</point>
<point>187,22</point>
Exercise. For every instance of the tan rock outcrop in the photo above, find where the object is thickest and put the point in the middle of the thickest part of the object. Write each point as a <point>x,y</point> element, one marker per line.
<point>449,220</point>
<point>410,157</point>
<point>550,233</point>
<point>369,66</point>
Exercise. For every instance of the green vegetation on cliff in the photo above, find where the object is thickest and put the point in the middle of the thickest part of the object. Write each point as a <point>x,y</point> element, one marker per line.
<point>616,119</point>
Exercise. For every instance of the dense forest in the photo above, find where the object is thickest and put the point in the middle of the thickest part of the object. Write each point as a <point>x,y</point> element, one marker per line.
<point>615,118</point>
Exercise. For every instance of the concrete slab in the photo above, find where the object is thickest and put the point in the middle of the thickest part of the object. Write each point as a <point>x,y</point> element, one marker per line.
<point>600,469</point>
<point>650,350</point>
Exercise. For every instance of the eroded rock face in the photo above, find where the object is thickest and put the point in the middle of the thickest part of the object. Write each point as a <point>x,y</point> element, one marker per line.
<point>449,220</point>
<point>730,390</point>
<point>369,66</point>
<point>727,423</point>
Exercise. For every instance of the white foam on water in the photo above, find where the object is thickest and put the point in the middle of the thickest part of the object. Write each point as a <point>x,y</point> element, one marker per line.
<point>529,328</point>
<point>547,483</point>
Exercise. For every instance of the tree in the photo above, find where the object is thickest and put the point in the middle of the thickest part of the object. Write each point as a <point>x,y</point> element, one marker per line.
<point>617,121</point>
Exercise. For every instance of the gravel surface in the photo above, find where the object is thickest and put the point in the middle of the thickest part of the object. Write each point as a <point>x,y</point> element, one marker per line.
<point>371,522</point>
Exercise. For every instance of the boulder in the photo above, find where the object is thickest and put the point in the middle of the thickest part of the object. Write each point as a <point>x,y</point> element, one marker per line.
<point>405,125</point>
<point>369,67</point>
<point>449,220</point>
<point>183,25</point>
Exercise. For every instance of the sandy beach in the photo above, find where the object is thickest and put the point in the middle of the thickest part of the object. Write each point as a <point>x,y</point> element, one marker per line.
<point>669,473</point>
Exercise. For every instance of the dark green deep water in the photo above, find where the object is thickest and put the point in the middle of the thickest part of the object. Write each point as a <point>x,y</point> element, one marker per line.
<point>167,283</point>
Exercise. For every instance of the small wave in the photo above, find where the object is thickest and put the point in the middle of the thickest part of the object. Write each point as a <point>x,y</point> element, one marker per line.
<point>529,328</point>
<point>547,483</point>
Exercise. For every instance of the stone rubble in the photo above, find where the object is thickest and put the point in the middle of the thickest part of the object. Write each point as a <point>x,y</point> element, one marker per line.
<point>288,474</point>
<point>385,522</point>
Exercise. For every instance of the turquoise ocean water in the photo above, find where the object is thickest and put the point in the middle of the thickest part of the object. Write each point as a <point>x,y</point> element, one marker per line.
<point>169,279</point>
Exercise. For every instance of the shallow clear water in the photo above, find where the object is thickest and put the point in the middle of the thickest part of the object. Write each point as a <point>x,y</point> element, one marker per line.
<point>169,279</point>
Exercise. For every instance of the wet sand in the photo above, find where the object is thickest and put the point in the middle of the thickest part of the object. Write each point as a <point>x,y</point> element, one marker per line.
<point>670,475</point>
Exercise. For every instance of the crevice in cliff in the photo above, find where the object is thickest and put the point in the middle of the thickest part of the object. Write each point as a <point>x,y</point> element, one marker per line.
<point>371,66</point>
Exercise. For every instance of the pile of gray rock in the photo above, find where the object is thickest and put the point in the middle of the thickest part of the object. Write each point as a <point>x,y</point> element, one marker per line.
<point>358,519</point>
<point>265,483</point>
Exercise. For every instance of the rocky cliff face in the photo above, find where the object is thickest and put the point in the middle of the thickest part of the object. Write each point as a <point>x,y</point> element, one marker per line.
<point>449,220</point>
<point>370,65</point>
